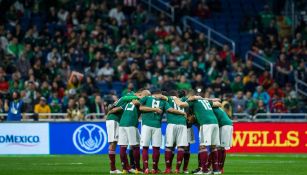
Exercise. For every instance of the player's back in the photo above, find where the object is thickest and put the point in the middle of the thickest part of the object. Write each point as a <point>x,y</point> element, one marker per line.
<point>222,117</point>
<point>152,119</point>
<point>130,115</point>
<point>175,118</point>
<point>203,111</point>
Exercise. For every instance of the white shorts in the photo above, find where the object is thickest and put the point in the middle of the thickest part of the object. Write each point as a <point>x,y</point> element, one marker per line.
<point>191,136</point>
<point>226,136</point>
<point>112,130</point>
<point>176,134</point>
<point>151,135</point>
<point>209,135</point>
<point>128,136</point>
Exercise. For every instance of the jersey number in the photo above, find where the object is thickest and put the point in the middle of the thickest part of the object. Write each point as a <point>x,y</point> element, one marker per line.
<point>178,107</point>
<point>206,104</point>
<point>155,104</point>
<point>130,107</point>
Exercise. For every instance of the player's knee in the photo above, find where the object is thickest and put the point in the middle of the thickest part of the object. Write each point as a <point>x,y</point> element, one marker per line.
<point>112,146</point>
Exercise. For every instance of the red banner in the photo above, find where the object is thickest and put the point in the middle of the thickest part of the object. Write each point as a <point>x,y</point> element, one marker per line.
<point>269,138</point>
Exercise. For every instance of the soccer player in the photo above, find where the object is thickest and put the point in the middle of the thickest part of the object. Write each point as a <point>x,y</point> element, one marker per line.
<point>176,134</point>
<point>112,125</point>
<point>226,130</point>
<point>208,132</point>
<point>151,127</point>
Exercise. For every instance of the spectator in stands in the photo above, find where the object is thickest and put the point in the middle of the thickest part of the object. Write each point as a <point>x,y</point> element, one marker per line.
<point>291,102</point>
<point>98,107</point>
<point>239,102</point>
<point>84,109</point>
<point>139,16</point>
<point>251,84</point>
<point>262,95</point>
<point>73,111</point>
<point>202,11</point>
<point>42,107</point>
<point>227,104</point>
<point>277,104</point>
<point>3,105</point>
<point>55,103</point>
<point>266,16</point>
<point>301,71</point>
<point>237,84</point>
<point>183,83</point>
<point>4,85</point>
<point>15,108</point>
<point>261,107</point>
<point>283,70</point>
<point>265,79</point>
<point>251,104</point>
<point>227,54</point>
<point>16,84</point>
<point>117,14</point>
<point>276,90</point>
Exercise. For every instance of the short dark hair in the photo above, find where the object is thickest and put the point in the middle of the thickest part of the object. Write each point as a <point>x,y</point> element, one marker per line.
<point>173,93</point>
<point>182,93</point>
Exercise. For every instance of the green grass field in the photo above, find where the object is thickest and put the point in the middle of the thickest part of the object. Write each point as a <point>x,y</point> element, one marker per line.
<point>236,164</point>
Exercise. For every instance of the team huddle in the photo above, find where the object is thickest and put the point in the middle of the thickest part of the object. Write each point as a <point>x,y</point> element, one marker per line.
<point>182,111</point>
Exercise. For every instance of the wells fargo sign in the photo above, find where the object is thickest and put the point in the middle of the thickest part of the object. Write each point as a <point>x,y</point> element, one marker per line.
<point>270,138</point>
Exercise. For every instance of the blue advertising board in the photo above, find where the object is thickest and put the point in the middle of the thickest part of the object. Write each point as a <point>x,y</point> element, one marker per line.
<point>88,138</point>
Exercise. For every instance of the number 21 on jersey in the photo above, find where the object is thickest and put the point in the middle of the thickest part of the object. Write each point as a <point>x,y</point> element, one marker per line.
<point>129,107</point>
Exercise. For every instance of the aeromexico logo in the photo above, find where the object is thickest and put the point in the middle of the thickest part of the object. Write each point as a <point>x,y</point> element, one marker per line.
<point>89,138</point>
<point>20,140</point>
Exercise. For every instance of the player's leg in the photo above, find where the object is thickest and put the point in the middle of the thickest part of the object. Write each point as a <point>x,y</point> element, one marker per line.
<point>226,142</point>
<point>145,142</point>
<point>205,140</point>
<point>112,130</point>
<point>215,141</point>
<point>156,144</point>
<point>182,142</point>
<point>134,141</point>
<point>131,158</point>
<point>123,143</point>
<point>186,159</point>
<point>169,142</point>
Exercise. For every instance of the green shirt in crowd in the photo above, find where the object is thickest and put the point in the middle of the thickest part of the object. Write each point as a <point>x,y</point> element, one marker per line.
<point>153,119</point>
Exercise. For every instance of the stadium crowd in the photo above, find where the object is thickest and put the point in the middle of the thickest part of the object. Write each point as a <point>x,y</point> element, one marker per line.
<point>55,54</point>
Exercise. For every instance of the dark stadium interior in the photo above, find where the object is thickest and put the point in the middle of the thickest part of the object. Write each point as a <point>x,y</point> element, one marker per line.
<point>80,54</point>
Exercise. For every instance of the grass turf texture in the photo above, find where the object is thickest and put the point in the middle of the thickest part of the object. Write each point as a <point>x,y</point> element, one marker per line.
<point>236,164</point>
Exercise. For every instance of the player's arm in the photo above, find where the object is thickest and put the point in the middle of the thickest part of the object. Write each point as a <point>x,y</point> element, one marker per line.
<point>161,97</point>
<point>194,97</point>
<point>115,110</point>
<point>180,103</point>
<point>129,98</point>
<point>175,111</point>
<point>136,102</point>
<point>149,109</point>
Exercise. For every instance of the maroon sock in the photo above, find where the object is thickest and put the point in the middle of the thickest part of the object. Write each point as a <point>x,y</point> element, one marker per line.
<point>180,155</point>
<point>145,157</point>
<point>155,157</point>
<point>222,157</point>
<point>215,165</point>
<point>210,160</point>
<point>112,160</point>
<point>199,161</point>
<point>136,155</point>
<point>168,157</point>
<point>172,158</point>
<point>204,160</point>
<point>186,158</point>
<point>124,158</point>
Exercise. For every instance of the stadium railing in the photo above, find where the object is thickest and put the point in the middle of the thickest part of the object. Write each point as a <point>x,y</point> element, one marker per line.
<point>161,6</point>
<point>259,61</point>
<point>237,117</point>
<point>211,34</point>
<point>300,86</point>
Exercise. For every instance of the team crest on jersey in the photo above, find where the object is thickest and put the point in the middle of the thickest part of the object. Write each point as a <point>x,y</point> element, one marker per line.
<point>89,138</point>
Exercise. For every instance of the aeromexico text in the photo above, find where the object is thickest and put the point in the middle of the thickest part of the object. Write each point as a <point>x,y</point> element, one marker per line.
<point>24,139</point>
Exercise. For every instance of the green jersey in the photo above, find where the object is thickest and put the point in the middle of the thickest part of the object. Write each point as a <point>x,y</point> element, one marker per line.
<point>222,117</point>
<point>203,111</point>
<point>130,115</point>
<point>120,102</point>
<point>153,119</point>
<point>175,118</point>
